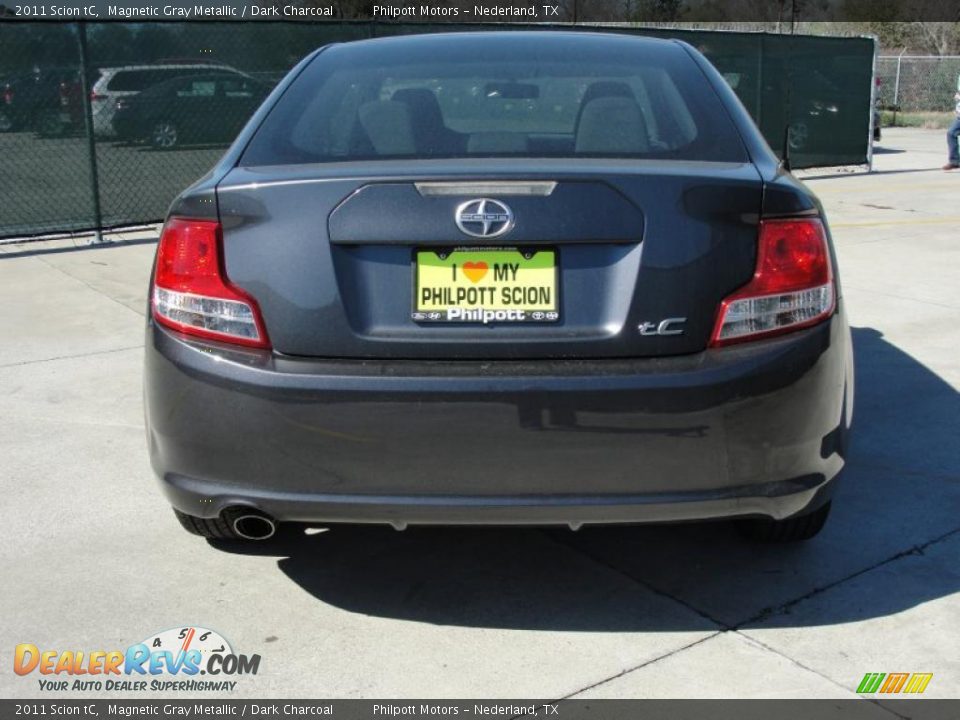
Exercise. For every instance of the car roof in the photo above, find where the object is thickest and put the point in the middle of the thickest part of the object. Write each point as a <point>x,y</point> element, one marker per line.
<point>202,76</point>
<point>177,66</point>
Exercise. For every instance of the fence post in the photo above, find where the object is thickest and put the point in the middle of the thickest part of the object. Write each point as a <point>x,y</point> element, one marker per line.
<point>896,83</point>
<point>88,121</point>
<point>873,105</point>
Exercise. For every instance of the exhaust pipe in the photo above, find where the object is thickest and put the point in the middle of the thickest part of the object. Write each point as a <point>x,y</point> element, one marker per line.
<point>254,526</point>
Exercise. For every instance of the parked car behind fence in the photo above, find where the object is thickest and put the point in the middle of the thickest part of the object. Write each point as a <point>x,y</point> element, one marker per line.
<point>209,108</point>
<point>124,82</point>
<point>49,102</point>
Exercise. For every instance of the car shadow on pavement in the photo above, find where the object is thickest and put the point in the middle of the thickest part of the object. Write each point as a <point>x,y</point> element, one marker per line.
<point>899,493</point>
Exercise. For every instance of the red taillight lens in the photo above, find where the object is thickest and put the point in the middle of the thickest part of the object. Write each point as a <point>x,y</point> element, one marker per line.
<point>191,292</point>
<point>8,95</point>
<point>791,288</point>
<point>94,96</point>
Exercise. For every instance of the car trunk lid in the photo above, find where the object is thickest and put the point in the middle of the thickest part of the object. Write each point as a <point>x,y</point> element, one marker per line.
<point>328,251</point>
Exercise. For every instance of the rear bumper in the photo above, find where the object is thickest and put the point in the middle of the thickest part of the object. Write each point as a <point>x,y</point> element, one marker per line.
<point>752,430</point>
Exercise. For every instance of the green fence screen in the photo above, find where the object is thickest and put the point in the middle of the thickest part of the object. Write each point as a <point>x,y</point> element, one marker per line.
<point>65,169</point>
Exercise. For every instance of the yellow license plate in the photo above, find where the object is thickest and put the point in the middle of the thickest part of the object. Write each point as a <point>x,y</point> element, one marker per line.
<point>486,285</point>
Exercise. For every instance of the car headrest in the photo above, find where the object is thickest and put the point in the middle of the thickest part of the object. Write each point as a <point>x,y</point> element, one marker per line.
<point>606,88</point>
<point>423,105</point>
<point>601,89</point>
<point>388,125</point>
<point>612,125</point>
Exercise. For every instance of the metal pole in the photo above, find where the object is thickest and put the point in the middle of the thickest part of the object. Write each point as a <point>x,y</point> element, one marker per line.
<point>896,83</point>
<point>88,121</point>
<point>873,105</point>
<point>761,46</point>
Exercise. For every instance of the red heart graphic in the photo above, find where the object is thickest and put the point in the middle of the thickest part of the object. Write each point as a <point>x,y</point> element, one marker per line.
<point>475,270</point>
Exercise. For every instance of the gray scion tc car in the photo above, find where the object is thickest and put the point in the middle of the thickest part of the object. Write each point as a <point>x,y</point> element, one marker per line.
<point>539,278</point>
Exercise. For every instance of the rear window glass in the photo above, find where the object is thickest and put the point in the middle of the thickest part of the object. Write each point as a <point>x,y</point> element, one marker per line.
<point>137,80</point>
<point>130,80</point>
<point>198,88</point>
<point>556,98</point>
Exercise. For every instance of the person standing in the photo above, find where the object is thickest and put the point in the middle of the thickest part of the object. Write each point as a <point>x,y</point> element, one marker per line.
<point>952,134</point>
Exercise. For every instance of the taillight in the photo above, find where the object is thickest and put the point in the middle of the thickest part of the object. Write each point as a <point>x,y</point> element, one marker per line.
<point>191,292</point>
<point>64,94</point>
<point>8,95</point>
<point>96,96</point>
<point>791,288</point>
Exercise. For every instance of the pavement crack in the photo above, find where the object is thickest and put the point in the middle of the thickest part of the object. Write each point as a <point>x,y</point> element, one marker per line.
<point>70,357</point>
<point>645,663</point>
<point>85,423</point>
<point>89,286</point>
<point>773,611</point>
<point>794,661</point>
<point>647,586</point>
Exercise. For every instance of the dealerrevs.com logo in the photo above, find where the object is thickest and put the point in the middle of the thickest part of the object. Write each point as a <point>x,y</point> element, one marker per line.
<point>186,659</point>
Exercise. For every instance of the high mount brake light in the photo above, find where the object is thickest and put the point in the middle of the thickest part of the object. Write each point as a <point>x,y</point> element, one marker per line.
<point>191,291</point>
<point>792,287</point>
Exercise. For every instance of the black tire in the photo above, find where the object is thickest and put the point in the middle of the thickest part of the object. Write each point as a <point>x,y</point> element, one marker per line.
<point>212,528</point>
<point>249,521</point>
<point>795,529</point>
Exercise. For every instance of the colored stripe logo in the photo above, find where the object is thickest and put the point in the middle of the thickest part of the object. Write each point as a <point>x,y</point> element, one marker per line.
<point>912,683</point>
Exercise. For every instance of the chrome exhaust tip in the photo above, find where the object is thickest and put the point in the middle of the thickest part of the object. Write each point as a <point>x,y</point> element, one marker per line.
<point>254,526</point>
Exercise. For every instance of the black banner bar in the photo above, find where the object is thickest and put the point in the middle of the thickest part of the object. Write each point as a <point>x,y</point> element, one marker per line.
<point>787,13</point>
<point>854,709</point>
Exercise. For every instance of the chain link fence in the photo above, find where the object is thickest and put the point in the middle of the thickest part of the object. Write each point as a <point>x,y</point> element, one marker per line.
<point>912,83</point>
<point>103,124</point>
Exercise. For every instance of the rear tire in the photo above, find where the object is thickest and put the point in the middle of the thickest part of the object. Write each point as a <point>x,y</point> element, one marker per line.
<point>794,529</point>
<point>216,528</point>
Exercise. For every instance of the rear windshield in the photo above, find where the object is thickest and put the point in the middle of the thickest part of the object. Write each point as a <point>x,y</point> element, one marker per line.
<point>536,97</point>
<point>136,80</point>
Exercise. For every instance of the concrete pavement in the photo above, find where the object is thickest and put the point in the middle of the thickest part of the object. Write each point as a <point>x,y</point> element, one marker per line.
<point>91,558</point>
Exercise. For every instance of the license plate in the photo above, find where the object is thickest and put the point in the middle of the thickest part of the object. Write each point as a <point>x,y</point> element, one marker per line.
<point>485,285</point>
